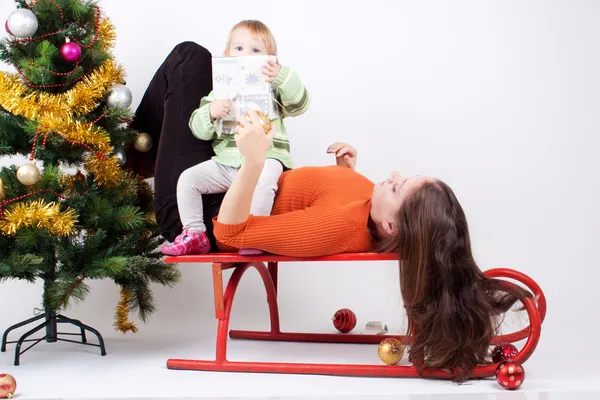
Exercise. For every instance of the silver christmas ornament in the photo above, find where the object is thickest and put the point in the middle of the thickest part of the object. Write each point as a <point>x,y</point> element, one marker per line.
<point>119,96</point>
<point>22,23</point>
<point>121,157</point>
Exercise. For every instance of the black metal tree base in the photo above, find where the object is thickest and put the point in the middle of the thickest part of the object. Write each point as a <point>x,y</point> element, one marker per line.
<point>51,321</point>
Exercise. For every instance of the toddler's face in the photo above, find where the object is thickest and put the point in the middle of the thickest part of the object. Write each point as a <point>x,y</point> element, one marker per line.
<point>243,43</point>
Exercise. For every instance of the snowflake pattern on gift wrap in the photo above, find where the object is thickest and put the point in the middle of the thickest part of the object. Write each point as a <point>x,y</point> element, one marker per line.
<point>260,102</point>
<point>226,79</point>
<point>251,79</point>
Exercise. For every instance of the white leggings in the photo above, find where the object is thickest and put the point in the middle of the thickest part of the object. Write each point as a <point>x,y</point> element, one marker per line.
<point>211,177</point>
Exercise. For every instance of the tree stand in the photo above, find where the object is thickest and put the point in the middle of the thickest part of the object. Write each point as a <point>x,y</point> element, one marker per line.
<point>51,321</point>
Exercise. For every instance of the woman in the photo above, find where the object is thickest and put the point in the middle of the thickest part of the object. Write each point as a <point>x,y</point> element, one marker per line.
<point>164,112</point>
<point>451,306</point>
<point>449,302</point>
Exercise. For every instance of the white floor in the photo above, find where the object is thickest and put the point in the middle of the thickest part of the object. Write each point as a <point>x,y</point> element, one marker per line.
<point>135,368</point>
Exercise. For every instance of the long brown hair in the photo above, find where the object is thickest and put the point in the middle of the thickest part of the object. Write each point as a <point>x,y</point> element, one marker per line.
<point>450,304</point>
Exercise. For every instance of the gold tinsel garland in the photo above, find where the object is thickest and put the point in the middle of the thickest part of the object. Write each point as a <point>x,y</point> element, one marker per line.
<point>106,170</point>
<point>108,34</point>
<point>150,217</point>
<point>122,312</point>
<point>68,183</point>
<point>76,131</point>
<point>41,215</point>
<point>17,98</point>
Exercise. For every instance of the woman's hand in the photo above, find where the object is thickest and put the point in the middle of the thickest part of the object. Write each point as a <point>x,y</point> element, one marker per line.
<point>251,139</point>
<point>253,143</point>
<point>271,69</point>
<point>345,155</point>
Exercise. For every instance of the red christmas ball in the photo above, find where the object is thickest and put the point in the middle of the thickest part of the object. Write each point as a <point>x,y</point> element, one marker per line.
<point>8,386</point>
<point>510,375</point>
<point>503,352</point>
<point>344,320</point>
<point>70,52</point>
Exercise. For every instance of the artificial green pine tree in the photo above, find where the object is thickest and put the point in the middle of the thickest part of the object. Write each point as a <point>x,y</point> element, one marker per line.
<point>71,213</point>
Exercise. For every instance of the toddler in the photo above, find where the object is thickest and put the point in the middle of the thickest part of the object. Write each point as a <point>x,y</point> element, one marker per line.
<point>216,175</point>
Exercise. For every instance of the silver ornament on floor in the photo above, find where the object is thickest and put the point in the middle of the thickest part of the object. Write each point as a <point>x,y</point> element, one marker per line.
<point>22,23</point>
<point>143,142</point>
<point>121,157</point>
<point>119,96</point>
<point>28,174</point>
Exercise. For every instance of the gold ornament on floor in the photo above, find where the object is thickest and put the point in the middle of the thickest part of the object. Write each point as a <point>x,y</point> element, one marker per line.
<point>264,121</point>
<point>390,351</point>
<point>3,193</point>
<point>41,215</point>
<point>28,174</point>
<point>8,386</point>
<point>122,312</point>
<point>143,142</point>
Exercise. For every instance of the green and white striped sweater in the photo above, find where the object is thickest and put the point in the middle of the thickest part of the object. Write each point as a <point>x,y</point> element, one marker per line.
<point>291,94</point>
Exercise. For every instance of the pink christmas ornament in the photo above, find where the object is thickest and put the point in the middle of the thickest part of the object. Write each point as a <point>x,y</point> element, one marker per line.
<point>70,52</point>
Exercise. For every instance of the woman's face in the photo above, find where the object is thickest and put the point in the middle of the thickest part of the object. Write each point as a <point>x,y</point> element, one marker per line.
<point>388,197</point>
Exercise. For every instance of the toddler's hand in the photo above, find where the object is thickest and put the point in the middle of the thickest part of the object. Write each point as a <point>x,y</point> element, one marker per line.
<point>271,69</point>
<point>219,108</point>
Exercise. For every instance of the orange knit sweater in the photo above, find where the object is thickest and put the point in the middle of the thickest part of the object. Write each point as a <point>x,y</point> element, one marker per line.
<point>318,211</point>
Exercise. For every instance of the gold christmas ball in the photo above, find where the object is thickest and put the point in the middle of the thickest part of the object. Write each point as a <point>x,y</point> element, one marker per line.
<point>264,121</point>
<point>28,174</point>
<point>143,142</point>
<point>2,190</point>
<point>390,351</point>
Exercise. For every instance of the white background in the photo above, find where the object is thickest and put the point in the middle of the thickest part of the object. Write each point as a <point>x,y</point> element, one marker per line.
<point>499,99</point>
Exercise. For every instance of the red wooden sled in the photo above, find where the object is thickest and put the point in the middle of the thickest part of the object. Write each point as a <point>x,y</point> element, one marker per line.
<point>536,310</point>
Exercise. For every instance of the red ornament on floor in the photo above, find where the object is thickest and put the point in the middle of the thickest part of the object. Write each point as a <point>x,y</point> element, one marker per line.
<point>8,386</point>
<point>344,320</point>
<point>503,352</point>
<point>510,375</point>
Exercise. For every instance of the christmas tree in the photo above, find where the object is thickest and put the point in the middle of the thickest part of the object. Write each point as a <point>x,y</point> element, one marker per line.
<point>71,213</point>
